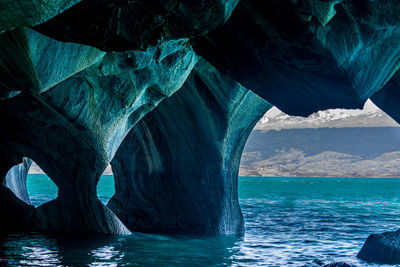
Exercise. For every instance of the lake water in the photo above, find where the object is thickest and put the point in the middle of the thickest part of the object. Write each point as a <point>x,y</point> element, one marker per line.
<point>289,222</point>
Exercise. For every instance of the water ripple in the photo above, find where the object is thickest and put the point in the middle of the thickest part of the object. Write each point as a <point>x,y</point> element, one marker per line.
<point>288,221</point>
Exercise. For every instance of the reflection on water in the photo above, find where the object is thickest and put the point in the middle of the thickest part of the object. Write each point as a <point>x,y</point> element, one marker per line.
<point>135,249</point>
<point>289,222</point>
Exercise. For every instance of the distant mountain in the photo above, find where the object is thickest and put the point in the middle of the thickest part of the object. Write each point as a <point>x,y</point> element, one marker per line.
<point>370,116</point>
<point>325,164</point>
<point>330,143</point>
<point>323,152</point>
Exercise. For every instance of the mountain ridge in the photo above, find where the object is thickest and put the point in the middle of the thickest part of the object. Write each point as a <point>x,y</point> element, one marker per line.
<point>369,116</point>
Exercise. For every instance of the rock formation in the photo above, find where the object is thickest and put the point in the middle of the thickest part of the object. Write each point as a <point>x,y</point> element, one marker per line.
<point>177,170</point>
<point>382,248</point>
<point>84,118</point>
<point>287,52</point>
<point>14,200</point>
<point>77,76</point>
<point>39,62</point>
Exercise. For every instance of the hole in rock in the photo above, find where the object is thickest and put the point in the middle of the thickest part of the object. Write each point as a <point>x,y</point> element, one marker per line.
<point>41,188</point>
<point>106,185</point>
<point>314,186</point>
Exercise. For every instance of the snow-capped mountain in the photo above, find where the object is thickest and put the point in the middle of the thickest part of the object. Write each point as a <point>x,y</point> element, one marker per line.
<point>369,116</point>
<point>360,143</point>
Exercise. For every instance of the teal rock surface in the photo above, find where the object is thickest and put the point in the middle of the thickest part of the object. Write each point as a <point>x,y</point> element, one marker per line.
<point>295,63</point>
<point>323,11</point>
<point>31,62</point>
<point>85,83</point>
<point>177,170</point>
<point>81,122</point>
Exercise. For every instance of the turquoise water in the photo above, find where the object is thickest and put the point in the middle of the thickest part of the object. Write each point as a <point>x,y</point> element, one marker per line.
<point>37,182</point>
<point>289,222</point>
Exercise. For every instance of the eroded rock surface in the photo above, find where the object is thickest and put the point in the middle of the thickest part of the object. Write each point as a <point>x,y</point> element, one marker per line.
<point>296,62</point>
<point>177,170</point>
<point>31,62</point>
<point>73,129</point>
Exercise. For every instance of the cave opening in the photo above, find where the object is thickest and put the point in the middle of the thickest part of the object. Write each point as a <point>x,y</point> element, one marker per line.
<point>309,184</point>
<point>106,186</point>
<point>41,189</point>
<point>330,143</point>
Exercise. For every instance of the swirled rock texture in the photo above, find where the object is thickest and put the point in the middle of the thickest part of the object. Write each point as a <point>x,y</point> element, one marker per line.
<point>382,248</point>
<point>177,170</point>
<point>125,25</point>
<point>16,179</point>
<point>291,55</point>
<point>73,129</point>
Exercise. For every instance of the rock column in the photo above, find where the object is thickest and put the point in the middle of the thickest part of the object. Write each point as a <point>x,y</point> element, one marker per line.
<point>177,170</point>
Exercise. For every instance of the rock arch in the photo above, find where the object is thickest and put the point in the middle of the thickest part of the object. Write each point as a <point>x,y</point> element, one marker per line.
<point>177,170</point>
<point>73,129</point>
